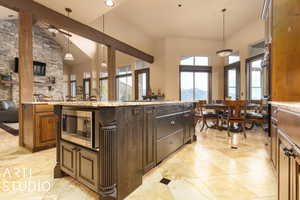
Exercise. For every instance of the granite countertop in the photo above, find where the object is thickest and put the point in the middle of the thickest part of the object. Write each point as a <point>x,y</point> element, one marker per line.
<point>288,105</point>
<point>107,104</point>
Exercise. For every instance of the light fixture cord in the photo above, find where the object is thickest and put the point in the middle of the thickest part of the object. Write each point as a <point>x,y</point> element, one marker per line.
<point>103,28</point>
<point>223,27</point>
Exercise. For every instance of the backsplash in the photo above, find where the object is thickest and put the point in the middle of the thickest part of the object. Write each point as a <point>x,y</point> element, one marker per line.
<point>45,49</point>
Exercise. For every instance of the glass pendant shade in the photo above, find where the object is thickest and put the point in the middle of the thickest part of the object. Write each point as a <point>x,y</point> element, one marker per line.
<point>69,57</point>
<point>224,52</point>
<point>103,64</point>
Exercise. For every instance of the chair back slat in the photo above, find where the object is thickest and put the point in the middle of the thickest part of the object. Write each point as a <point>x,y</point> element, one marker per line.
<point>199,106</point>
<point>237,109</point>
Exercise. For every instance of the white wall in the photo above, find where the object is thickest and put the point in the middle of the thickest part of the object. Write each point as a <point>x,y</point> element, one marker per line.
<point>175,48</point>
<point>241,40</point>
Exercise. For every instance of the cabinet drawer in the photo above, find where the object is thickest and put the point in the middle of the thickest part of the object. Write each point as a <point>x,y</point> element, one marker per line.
<point>168,145</point>
<point>168,125</point>
<point>44,108</point>
<point>168,109</point>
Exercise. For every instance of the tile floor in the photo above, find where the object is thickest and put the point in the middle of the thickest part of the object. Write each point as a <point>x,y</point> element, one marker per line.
<point>205,170</point>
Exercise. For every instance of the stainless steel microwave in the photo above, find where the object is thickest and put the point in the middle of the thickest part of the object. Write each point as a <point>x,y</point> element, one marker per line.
<point>78,126</point>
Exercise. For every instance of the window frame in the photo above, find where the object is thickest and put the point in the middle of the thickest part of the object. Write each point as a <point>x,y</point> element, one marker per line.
<point>75,82</point>
<point>249,78</point>
<point>237,67</point>
<point>195,68</point>
<point>84,94</point>
<point>136,81</point>
<point>100,80</point>
<point>194,61</point>
<point>116,81</point>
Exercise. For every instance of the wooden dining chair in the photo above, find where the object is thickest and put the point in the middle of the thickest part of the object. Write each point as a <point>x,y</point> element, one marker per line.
<point>236,114</point>
<point>256,116</point>
<point>204,116</point>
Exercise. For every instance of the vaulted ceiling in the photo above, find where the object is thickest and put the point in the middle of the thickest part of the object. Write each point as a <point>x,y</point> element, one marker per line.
<point>84,11</point>
<point>196,18</point>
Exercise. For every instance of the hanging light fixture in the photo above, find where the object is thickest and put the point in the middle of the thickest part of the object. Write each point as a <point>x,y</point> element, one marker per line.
<point>103,64</point>
<point>68,55</point>
<point>224,52</point>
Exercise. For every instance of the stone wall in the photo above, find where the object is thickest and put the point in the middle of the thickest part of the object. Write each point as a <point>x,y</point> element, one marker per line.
<point>45,49</point>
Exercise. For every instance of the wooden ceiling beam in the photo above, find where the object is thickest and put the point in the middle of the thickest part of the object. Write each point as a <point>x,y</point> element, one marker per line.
<point>52,17</point>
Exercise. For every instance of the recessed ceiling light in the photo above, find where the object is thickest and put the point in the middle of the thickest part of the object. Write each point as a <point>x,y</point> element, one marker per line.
<point>109,3</point>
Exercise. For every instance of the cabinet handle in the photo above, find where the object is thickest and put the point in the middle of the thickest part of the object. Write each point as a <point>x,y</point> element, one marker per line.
<point>173,122</point>
<point>74,149</point>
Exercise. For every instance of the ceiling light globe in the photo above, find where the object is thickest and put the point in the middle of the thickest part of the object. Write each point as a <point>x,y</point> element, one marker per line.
<point>69,57</point>
<point>109,3</point>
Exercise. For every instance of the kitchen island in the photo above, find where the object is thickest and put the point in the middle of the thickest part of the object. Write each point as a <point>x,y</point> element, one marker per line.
<point>124,140</point>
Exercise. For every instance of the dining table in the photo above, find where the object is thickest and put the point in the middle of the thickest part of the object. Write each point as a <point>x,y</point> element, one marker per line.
<point>220,108</point>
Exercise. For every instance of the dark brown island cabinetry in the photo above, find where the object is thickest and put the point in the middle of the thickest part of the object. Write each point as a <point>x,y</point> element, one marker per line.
<point>285,153</point>
<point>132,140</point>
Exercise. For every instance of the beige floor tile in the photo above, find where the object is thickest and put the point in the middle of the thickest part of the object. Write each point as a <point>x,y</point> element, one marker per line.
<point>205,170</point>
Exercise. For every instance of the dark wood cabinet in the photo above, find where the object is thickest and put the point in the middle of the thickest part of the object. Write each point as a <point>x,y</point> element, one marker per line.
<point>189,128</point>
<point>68,158</point>
<point>149,139</point>
<point>130,133</point>
<point>87,168</point>
<point>132,139</point>
<point>80,163</point>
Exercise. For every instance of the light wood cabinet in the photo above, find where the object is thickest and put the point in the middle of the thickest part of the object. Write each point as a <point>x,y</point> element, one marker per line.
<point>39,127</point>
<point>45,128</point>
<point>274,144</point>
<point>284,175</point>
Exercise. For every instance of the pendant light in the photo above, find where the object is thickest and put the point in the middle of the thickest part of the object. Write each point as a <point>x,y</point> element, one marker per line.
<point>68,56</point>
<point>103,64</point>
<point>224,52</point>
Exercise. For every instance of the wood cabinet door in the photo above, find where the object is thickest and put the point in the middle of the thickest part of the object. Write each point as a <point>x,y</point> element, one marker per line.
<point>45,128</point>
<point>149,140</point>
<point>188,127</point>
<point>68,158</point>
<point>87,168</point>
<point>274,144</point>
<point>130,135</point>
<point>284,175</point>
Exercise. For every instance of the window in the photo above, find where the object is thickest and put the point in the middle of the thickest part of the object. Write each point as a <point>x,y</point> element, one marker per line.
<point>86,88</point>
<point>140,64</point>
<point>124,83</point>
<point>141,83</point>
<point>194,60</point>
<point>103,83</point>
<point>232,81</point>
<point>232,84</point>
<point>255,78</point>
<point>73,88</point>
<point>233,59</point>
<point>195,83</point>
